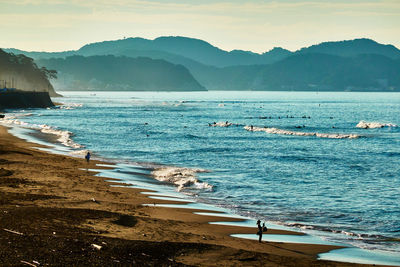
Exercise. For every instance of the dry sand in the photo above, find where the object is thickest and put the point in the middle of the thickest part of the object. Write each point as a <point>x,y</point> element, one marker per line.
<point>54,213</point>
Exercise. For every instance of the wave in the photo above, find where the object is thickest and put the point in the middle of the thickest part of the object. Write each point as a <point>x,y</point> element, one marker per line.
<point>79,152</point>
<point>337,231</point>
<point>287,132</point>
<point>70,106</point>
<point>374,125</point>
<point>64,137</point>
<point>181,177</point>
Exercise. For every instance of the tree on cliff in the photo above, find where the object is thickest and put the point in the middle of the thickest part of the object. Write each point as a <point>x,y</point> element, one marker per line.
<point>24,71</point>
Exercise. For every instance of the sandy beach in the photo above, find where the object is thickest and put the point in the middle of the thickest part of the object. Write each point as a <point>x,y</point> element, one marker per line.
<point>54,212</point>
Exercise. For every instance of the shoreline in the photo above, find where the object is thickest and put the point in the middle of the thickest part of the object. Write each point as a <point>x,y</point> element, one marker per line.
<point>52,182</point>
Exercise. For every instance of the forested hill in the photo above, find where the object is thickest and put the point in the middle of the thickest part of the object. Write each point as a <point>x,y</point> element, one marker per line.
<point>324,72</point>
<point>353,48</point>
<point>21,72</point>
<point>352,65</point>
<point>190,48</point>
<point>175,49</point>
<point>118,73</point>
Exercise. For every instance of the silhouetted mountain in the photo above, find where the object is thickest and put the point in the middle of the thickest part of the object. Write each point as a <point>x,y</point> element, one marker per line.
<point>39,55</point>
<point>323,72</point>
<point>212,77</point>
<point>22,73</point>
<point>171,47</point>
<point>344,65</point>
<point>189,48</point>
<point>121,73</point>
<point>351,48</point>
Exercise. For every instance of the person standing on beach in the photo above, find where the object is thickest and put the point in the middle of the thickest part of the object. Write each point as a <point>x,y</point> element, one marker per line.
<point>87,157</point>
<point>260,231</point>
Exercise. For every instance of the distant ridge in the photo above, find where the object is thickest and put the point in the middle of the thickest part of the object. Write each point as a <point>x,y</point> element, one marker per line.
<point>350,65</point>
<point>325,72</point>
<point>190,48</point>
<point>351,48</point>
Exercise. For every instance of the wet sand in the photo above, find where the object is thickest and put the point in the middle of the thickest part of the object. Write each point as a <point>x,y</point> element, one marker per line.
<point>54,212</point>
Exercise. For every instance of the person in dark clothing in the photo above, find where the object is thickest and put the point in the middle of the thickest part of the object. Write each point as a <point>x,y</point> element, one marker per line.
<point>260,231</point>
<point>87,157</point>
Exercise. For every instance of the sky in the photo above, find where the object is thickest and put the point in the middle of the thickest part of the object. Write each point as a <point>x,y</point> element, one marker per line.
<point>257,25</point>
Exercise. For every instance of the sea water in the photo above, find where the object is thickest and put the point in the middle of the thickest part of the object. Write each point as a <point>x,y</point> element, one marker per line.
<point>292,158</point>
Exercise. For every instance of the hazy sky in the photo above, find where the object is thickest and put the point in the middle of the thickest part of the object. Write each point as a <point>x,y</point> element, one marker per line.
<point>258,25</point>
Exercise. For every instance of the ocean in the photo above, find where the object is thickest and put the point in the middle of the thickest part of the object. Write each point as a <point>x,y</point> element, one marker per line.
<point>325,163</point>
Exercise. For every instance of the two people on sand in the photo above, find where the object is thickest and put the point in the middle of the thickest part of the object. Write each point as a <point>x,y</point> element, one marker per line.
<point>261,229</point>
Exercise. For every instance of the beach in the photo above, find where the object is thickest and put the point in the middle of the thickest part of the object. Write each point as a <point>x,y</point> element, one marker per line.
<point>55,212</point>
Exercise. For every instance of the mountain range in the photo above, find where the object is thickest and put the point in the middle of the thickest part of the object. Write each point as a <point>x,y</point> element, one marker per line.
<point>353,65</point>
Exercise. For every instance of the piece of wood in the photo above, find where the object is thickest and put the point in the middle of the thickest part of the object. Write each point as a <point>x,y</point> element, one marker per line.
<point>13,232</point>
<point>28,263</point>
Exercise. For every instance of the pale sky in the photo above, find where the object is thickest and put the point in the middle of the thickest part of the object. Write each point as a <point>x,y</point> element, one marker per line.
<point>257,25</point>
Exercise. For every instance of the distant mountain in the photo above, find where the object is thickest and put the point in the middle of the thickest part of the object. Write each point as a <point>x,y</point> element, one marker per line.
<point>120,73</point>
<point>352,48</point>
<point>323,72</point>
<point>39,55</point>
<point>22,73</point>
<point>360,64</point>
<point>190,48</point>
<point>171,47</point>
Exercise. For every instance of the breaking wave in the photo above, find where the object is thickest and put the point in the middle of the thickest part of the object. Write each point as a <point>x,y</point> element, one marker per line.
<point>287,132</point>
<point>64,137</point>
<point>374,125</point>
<point>336,231</point>
<point>181,177</point>
<point>79,152</point>
<point>70,106</point>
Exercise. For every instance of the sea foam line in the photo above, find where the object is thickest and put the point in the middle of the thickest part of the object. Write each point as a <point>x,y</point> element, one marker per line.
<point>64,137</point>
<point>272,130</point>
<point>70,106</point>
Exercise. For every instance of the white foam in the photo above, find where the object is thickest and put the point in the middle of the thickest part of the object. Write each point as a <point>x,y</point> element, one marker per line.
<point>272,130</point>
<point>70,105</point>
<point>64,137</point>
<point>181,177</point>
<point>79,152</point>
<point>374,125</point>
<point>18,115</point>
